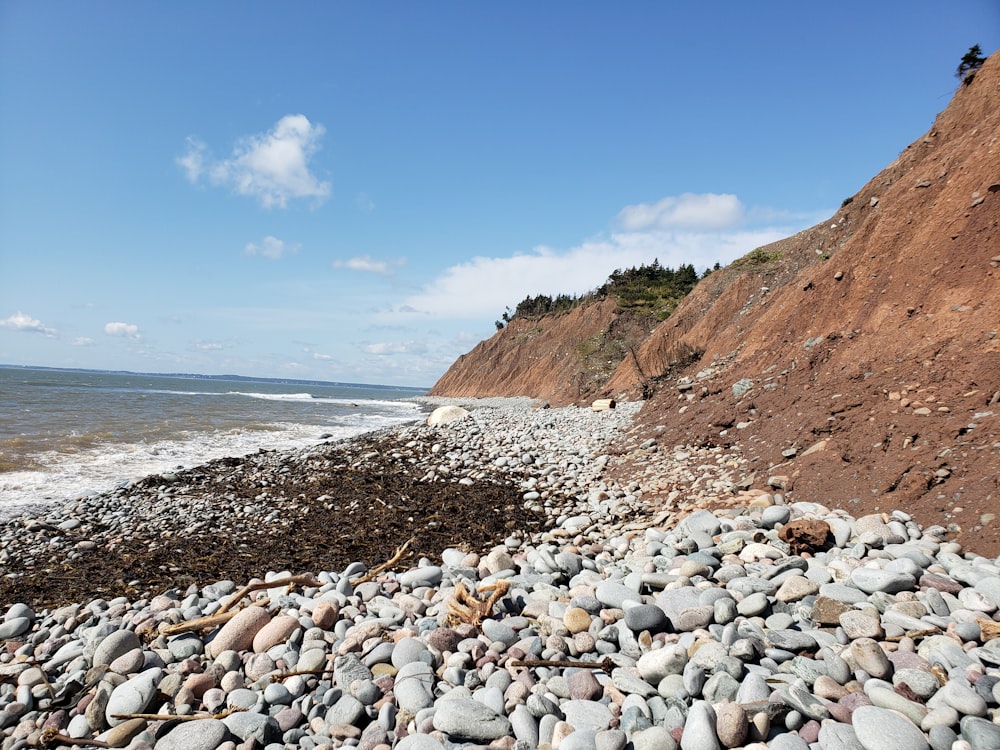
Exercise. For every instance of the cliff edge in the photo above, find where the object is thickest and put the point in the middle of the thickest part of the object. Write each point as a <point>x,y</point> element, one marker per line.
<point>857,362</point>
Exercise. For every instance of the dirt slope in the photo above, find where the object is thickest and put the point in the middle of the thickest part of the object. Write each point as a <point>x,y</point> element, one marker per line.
<point>874,336</point>
<point>557,358</point>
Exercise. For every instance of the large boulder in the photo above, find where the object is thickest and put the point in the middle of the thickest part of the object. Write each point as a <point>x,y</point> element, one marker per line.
<point>445,414</point>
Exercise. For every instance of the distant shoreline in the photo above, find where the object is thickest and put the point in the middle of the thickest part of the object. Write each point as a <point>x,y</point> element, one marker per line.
<point>234,378</point>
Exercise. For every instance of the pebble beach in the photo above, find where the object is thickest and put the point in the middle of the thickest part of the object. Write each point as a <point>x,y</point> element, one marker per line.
<point>611,621</point>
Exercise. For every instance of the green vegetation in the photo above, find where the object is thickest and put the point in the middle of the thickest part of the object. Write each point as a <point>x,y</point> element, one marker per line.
<point>971,62</point>
<point>761,257</point>
<point>652,289</point>
<point>649,290</point>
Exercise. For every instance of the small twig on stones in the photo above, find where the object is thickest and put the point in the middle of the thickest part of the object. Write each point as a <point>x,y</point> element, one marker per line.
<point>301,673</point>
<point>303,580</point>
<point>181,717</point>
<point>370,575</point>
<point>53,737</point>
<point>606,664</point>
<point>913,634</point>
<point>208,621</point>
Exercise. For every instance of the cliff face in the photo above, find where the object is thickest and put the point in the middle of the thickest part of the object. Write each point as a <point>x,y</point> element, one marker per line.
<point>874,335</point>
<point>557,358</point>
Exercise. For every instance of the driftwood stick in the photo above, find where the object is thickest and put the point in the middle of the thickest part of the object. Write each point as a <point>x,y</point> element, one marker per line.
<point>303,580</point>
<point>370,575</point>
<point>301,673</point>
<point>208,621</point>
<point>175,717</point>
<point>52,737</point>
<point>606,664</point>
<point>913,634</point>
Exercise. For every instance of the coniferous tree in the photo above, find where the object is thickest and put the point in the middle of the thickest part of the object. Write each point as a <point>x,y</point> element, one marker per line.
<point>971,62</point>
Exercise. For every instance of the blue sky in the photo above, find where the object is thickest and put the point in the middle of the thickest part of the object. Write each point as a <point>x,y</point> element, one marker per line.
<point>354,191</point>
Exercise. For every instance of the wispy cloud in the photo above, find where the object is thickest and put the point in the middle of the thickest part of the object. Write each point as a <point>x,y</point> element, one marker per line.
<point>384,348</point>
<point>689,229</point>
<point>19,321</point>
<point>694,212</point>
<point>83,341</point>
<point>367,264</point>
<point>124,330</point>
<point>270,247</point>
<point>272,167</point>
<point>209,346</point>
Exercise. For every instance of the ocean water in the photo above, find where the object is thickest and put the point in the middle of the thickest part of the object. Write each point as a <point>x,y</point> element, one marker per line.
<point>66,433</point>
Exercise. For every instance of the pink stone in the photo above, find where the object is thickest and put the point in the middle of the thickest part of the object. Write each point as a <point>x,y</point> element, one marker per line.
<point>276,631</point>
<point>198,684</point>
<point>325,615</point>
<point>238,633</point>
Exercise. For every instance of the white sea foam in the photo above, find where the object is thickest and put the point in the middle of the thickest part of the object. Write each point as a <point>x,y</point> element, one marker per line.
<point>102,468</point>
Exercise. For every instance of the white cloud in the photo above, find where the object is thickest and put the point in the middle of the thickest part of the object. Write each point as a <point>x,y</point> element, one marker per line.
<point>365,203</point>
<point>193,159</point>
<point>321,357</point>
<point>707,211</point>
<point>384,348</point>
<point>22,322</point>
<point>367,264</point>
<point>270,247</point>
<point>483,287</point>
<point>83,341</point>
<point>125,330</point>
<point>272,167</point>
<point>209,346</point>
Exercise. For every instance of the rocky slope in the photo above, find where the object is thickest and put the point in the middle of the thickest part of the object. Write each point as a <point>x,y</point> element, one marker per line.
<point>857,362</point>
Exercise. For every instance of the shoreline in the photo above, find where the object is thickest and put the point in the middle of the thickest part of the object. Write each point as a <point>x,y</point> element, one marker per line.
<point>701,624</point>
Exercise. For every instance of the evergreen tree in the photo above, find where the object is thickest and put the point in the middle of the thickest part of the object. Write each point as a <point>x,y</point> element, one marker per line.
<point>971,62</point>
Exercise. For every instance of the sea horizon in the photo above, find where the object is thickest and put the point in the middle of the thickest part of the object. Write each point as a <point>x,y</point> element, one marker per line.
<point>68,432</point>
<point>228,376</point>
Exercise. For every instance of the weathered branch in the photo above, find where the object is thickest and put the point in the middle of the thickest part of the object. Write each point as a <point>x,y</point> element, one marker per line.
<point>208,621</point>
<point>370,575</point>
<point>303,580</point>
<point>606,664</point>
<point>176,717</point>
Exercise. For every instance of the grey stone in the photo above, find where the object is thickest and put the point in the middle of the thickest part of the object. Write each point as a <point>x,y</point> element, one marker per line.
<point>347,710</point>
<point>200,734</point>
<point>249,725</point>
<point>419,742</point>
<point>699,729</point>
<point>656,664</point>
<point>791,640</point>
<point>963,699</point>
<point>615,739</point>
<point>117,644</point>
<point>414,685</point>
<point>524,725</point>
<point>14,627</point>
<point>871,580</point>
<point>586,714</point>
<point>613,593</point>
<point>881,729</point>
<point>798,697</point>
<point>581,739</point>
<point>836,736</point>
<point>133,696</point>
<point>653,738</point>
<point>469,719</point>
<point>646,617</point>
<point>981,734</point>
